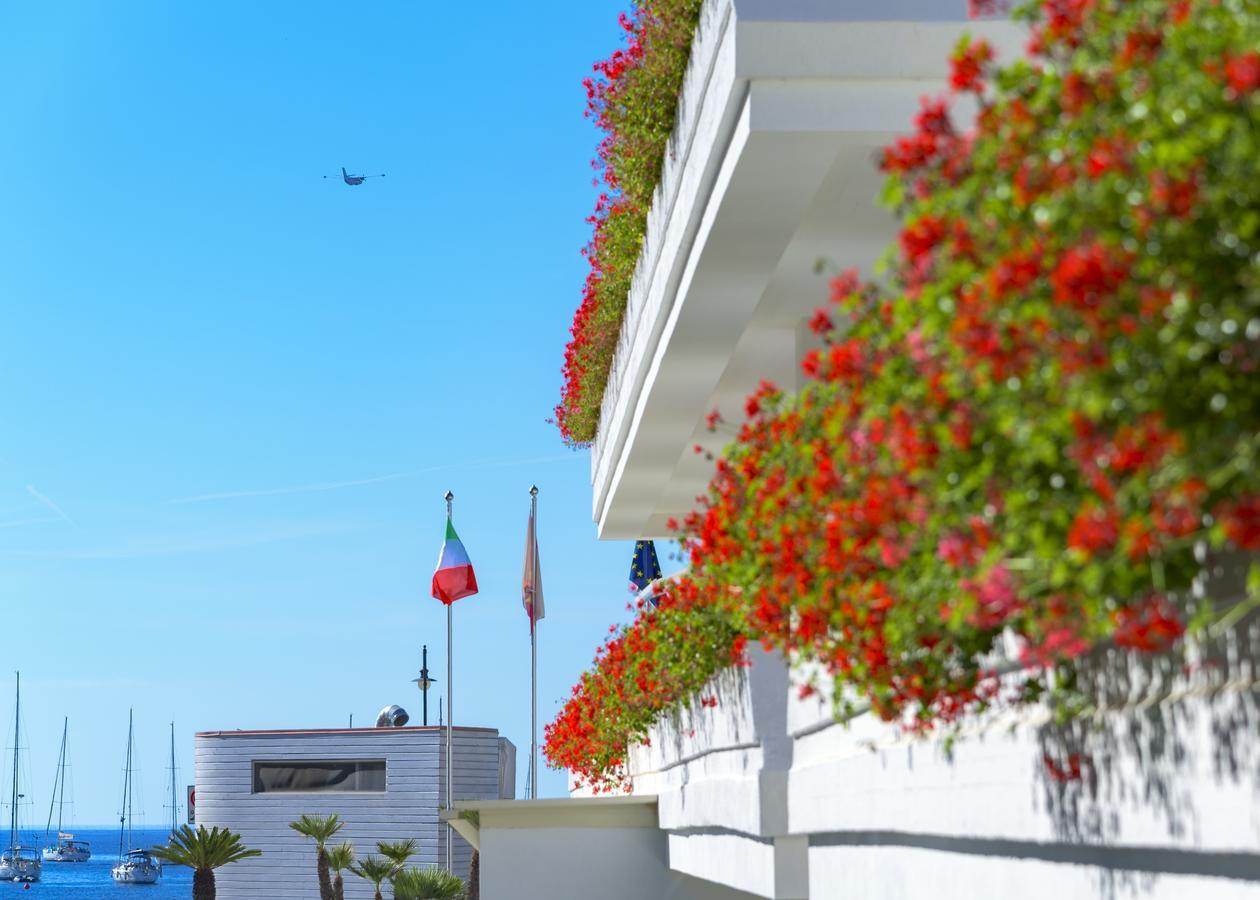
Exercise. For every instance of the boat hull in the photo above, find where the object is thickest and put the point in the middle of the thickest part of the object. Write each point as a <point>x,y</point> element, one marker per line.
<point>136,874</point>
<point>21,870</point>
<point>66,854</point>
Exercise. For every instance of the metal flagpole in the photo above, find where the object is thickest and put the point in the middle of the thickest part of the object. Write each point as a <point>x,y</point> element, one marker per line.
<point>533,643</point>
<point>450,705</point>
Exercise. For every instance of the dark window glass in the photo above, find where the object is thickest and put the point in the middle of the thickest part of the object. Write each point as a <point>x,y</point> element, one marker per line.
<point>319,775</point>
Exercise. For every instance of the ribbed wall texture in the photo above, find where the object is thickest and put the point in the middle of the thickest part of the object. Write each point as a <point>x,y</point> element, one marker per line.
<point>415,760</point>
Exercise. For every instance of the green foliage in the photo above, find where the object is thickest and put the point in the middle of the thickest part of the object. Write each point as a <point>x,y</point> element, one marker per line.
<point>634,100</point>
<point>340,858</point>
<point>376,870</point>
<point>397,852</point>
<point>427,884</point>
<point>203,849</point>
<point>320,829</point>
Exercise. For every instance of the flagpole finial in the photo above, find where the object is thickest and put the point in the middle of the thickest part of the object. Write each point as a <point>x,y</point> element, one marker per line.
<point>533,491</point>
<point>449,496</point>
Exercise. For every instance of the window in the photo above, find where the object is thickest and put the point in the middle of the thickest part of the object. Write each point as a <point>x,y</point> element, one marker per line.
<point>319,776</point>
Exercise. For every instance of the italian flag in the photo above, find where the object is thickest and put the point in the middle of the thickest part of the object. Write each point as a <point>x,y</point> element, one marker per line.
<point>454,576</point>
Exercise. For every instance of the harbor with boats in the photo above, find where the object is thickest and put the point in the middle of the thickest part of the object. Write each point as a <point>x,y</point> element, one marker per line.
<point>30,857</point>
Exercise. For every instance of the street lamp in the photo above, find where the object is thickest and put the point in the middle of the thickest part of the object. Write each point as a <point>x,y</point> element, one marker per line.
<point>424,682</point>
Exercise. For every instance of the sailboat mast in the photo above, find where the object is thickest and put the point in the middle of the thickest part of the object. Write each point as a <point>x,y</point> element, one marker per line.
<point>17,719</point>
<point>125,814</point>
<point>130,717</point>
<point>59,785</point>
<point>61,796</point>
<point>174,807</point>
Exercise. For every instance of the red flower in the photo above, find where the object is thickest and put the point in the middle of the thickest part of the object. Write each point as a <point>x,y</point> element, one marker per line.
<point>1094,530</point>
<point>921,236</point>
<point>1242,72</point>
<point>1241,520</point>
<point>968,64</point>
<point>1151,626</point>
<point>1088,275</point>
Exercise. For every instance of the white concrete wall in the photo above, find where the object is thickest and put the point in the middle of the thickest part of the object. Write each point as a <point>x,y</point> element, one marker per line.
<point>768,793</point>
<point>604,863</point>
<point>415,789</point>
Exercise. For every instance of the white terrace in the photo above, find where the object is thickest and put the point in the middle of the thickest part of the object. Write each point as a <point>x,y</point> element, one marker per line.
<point>771,168</point>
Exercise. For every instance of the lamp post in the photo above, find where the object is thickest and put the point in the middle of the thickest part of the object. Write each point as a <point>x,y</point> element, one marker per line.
<point>424,682</point>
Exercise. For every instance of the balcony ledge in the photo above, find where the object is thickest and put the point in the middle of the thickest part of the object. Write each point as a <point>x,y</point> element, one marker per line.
<point>769,169</point>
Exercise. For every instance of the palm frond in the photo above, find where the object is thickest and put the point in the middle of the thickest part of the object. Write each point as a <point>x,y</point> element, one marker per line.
<point>374,869</point>
<point>341,857</point>
<point>318,828</point>
<point>428,884</point>
<point>203,849</point>
<point>397,852</point>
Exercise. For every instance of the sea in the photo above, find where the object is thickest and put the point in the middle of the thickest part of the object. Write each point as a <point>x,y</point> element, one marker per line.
<point>91,880</point>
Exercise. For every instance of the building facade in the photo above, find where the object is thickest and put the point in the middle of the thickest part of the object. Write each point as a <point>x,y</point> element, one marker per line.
<point>388,784</point>
<point>771,168</point>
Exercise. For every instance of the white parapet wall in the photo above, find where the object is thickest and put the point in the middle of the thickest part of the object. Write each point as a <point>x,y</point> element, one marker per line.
<point>1155,794</point>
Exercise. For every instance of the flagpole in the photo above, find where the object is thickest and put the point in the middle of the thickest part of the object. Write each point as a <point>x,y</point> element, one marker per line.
<point>450,705</point>
<point>533,645</point>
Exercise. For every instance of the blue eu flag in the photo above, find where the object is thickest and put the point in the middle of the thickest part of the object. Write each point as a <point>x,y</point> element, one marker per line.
<point>645,567</point>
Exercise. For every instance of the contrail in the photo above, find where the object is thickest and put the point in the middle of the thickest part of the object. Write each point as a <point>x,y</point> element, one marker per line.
<point>30,489</point>
<point>338,485</point>
<point>296,489</point>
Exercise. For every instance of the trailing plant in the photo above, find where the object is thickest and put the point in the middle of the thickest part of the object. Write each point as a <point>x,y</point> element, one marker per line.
<point>204,851</point>
<point>633,98</point>
<point>643,670</point>
<point>1040,423</point>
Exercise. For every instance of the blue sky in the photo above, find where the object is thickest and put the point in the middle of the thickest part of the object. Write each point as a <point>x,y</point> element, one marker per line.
<point>233,393</point>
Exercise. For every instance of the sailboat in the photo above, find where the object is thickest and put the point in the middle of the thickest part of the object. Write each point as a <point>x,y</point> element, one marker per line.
<point>67,849</point>
<point>133,866</point>
<point>18,863</point>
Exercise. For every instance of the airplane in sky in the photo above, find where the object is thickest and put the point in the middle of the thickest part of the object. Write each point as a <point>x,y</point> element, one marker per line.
<point>353,180</point>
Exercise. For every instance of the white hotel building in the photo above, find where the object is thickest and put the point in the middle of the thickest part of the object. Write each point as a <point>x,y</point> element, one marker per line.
<point>771,167</point>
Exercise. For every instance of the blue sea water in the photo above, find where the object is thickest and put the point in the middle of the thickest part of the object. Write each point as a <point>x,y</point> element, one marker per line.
<point>91,880</point>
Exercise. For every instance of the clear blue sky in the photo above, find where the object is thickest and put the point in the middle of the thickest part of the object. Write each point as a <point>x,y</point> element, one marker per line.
<point>201,337</point>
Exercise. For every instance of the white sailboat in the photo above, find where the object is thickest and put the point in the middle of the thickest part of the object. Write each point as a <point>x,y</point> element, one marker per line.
<point>133,866</point>
<point>18,863</point>
<point>66,849</point>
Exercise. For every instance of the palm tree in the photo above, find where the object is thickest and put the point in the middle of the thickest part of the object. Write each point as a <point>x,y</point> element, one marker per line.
<point>340,858</point>
<point>203,852</point>
<point>428,884</point>
<point>474,876</point>
<point>397,852</point>
<point>320,829</point>
<point>375,870</point>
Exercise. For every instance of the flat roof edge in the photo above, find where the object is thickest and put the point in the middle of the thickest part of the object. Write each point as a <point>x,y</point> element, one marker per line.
<point>635,811</point>
<point>408,729</point>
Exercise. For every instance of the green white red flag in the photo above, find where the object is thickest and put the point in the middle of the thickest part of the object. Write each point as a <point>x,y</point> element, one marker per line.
<point>454,577</point>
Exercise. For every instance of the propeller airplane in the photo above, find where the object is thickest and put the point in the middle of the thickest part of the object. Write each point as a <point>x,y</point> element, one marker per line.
<point>353,180</point>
